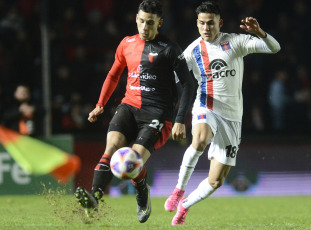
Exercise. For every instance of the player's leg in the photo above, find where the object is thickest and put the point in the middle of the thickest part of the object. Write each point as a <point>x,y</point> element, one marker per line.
<point>144,152</point>
<point>122,128</point>
<point>142,189</point>
<point>102,172</point>
<point>202,134</point>
<point>217,173</point>
<point>153,134</point>
<point>222,153</point>
<point>207,187</point>
<point>102,175</point>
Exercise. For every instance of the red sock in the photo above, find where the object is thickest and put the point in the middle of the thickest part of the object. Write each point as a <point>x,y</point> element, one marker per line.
<point>105,160</point>
<point>140,177</point>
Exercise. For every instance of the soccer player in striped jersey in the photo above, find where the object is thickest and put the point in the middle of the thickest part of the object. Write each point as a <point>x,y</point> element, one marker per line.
<point>145,114</point>
<point>216,60</point>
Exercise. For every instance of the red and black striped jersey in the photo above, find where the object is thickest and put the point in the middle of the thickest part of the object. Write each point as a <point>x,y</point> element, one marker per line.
<point>151,81</point>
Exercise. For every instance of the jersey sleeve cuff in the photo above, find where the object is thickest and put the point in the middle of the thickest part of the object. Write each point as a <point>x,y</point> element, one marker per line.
<point>180,120</point>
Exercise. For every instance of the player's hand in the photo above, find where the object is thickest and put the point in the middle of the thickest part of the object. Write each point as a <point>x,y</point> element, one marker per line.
<point>179,131</point>
<point>252,26</point>
<point>93,115</point>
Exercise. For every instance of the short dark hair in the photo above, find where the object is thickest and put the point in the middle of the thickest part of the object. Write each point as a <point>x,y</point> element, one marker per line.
<point>209,7</point>
<point>151,6</point>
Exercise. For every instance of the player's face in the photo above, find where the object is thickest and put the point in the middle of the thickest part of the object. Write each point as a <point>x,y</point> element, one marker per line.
<point>209,26</point>
<point>147,25</point>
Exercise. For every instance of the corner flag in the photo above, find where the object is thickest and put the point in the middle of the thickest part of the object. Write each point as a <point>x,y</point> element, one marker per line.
<point>37,157</point>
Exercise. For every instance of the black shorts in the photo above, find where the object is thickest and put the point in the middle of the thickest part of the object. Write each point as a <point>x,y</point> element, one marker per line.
<point>140,127</point>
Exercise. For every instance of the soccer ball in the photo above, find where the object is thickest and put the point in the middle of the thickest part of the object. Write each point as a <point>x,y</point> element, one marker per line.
<point>126,163</point>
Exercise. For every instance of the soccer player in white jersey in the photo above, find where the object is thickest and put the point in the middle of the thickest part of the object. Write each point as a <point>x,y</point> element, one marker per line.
<point>216,60</point>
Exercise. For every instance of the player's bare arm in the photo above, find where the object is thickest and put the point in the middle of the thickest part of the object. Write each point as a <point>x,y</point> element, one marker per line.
<point>97,111</point>
<point>179,131</point>
<point>251,25</point>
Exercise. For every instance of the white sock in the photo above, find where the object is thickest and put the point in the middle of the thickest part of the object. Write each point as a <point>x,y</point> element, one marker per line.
<point>188,164</point>
<point>203,191</point>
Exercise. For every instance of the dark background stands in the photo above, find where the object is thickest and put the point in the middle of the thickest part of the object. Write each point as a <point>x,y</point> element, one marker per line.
<point>84,36</point>
<point>21,114</point>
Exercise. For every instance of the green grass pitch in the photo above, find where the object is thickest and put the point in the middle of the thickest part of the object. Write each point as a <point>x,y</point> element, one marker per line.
<point>58,211</point>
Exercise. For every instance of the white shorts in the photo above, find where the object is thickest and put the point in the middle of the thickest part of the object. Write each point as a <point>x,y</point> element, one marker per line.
<point>227,135</point>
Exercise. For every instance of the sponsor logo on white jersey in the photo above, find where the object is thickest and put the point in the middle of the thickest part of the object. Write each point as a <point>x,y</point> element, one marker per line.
<point>217,64</point>
<point>219,69</point>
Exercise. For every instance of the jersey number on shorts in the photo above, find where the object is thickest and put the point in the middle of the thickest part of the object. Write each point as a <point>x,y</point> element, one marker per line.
<point>156,125</point>
<point>231,151</point>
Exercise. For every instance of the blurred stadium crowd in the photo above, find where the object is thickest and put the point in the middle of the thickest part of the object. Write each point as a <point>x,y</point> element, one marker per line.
<point>84,35</point>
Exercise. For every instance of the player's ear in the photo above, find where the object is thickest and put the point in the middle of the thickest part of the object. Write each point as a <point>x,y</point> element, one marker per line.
<point>160,22</point>
<point>221,23</point>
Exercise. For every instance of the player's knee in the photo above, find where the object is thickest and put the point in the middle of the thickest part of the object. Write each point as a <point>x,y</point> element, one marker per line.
<point>199,144</point>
